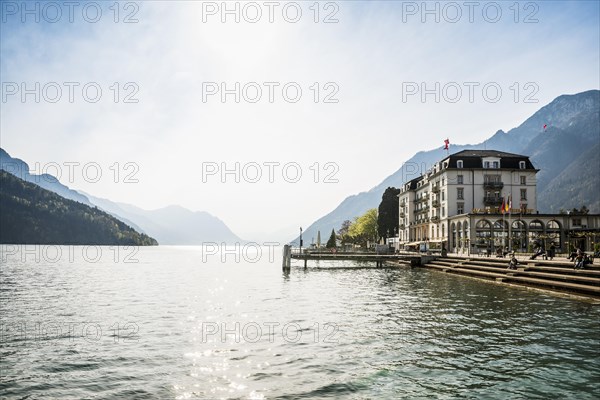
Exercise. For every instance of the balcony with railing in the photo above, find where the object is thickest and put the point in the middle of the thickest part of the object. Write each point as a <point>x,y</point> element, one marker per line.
<point>493,184</point>
<point>435,188</point>
<point>435,203</point>
<point>492,200</point>
<point>435,219</point>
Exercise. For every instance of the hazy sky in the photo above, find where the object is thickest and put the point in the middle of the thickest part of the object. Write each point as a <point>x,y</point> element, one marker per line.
<point>369,63</point>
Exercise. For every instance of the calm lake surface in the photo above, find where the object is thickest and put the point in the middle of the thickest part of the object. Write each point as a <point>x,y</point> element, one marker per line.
<point>180,323</point>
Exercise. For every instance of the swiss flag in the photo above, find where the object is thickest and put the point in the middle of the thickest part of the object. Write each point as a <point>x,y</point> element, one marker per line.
<point>446,144</point>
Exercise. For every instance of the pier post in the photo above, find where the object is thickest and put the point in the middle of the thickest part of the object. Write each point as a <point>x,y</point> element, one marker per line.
<point>287,258</point>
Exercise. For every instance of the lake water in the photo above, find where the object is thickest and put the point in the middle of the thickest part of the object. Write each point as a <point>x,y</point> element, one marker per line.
<point>182,323</point>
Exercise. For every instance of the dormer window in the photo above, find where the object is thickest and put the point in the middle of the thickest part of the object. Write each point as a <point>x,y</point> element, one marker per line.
<point>521,164</point>
<point>486,164</point>
<point>496,164</point>
<point>459,163</point>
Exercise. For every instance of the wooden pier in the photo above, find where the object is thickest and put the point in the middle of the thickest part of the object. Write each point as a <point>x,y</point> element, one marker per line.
<point>412,259</point>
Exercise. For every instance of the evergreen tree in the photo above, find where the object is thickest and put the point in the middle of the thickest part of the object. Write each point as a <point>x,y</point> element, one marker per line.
<point>331,243</point>
<point>387,220</point>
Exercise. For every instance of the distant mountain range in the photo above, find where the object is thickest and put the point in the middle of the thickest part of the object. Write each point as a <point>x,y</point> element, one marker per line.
<point>33,215</point>
<point>566,152</point>
<point>172,225</point>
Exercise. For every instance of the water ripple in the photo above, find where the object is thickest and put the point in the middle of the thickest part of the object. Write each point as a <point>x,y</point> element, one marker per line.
<point>170,327</point>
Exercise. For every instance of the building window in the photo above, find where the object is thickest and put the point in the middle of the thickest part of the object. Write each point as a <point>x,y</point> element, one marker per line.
<point>443,212</point>
<point>521,164</point>
<point>523,180</point>
<point>459,179</point>
<point>443,181</point>
<point>496,164</point>
<point>443,195</point>
<point>576,221</point>
<point>460,193</point>
<point>492,178</point>
<point>459,164</point>
<point>523,194</point>
<point>460,208</point>
<point>486,164</point>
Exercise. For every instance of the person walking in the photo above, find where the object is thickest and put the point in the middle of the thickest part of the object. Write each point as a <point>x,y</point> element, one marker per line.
<point>551,251</point>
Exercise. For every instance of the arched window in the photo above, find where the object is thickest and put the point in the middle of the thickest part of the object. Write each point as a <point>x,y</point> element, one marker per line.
<point>501,225</point>
<point>536,233</point>
<point>483,233</point>
<point>500,234</point>
<point>453,235</point>
<point>519,236</point>
<point>553,234</point>
<point>552,225</point>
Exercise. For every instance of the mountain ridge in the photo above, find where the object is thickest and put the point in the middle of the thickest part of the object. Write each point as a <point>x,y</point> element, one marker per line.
<point>170,225</point>
<point>31,214</point>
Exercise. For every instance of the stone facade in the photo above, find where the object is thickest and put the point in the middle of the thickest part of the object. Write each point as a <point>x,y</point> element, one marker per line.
<point>458,203</point>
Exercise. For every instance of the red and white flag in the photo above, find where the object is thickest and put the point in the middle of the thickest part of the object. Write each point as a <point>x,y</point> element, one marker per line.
<point>446,144</point>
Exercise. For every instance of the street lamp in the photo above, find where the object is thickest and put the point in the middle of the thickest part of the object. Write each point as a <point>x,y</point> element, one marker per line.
<point>300,240</point>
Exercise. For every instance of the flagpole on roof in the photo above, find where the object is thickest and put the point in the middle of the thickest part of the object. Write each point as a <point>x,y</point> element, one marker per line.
<point>503,224</point>
<point>509,221</point>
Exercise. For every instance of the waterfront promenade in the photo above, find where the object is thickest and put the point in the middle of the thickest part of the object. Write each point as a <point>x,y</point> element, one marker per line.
<point>556,276</point>
<point>553,276</point>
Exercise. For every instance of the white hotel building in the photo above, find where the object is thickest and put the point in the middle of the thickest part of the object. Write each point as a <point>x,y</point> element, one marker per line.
<point>457,204</point>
